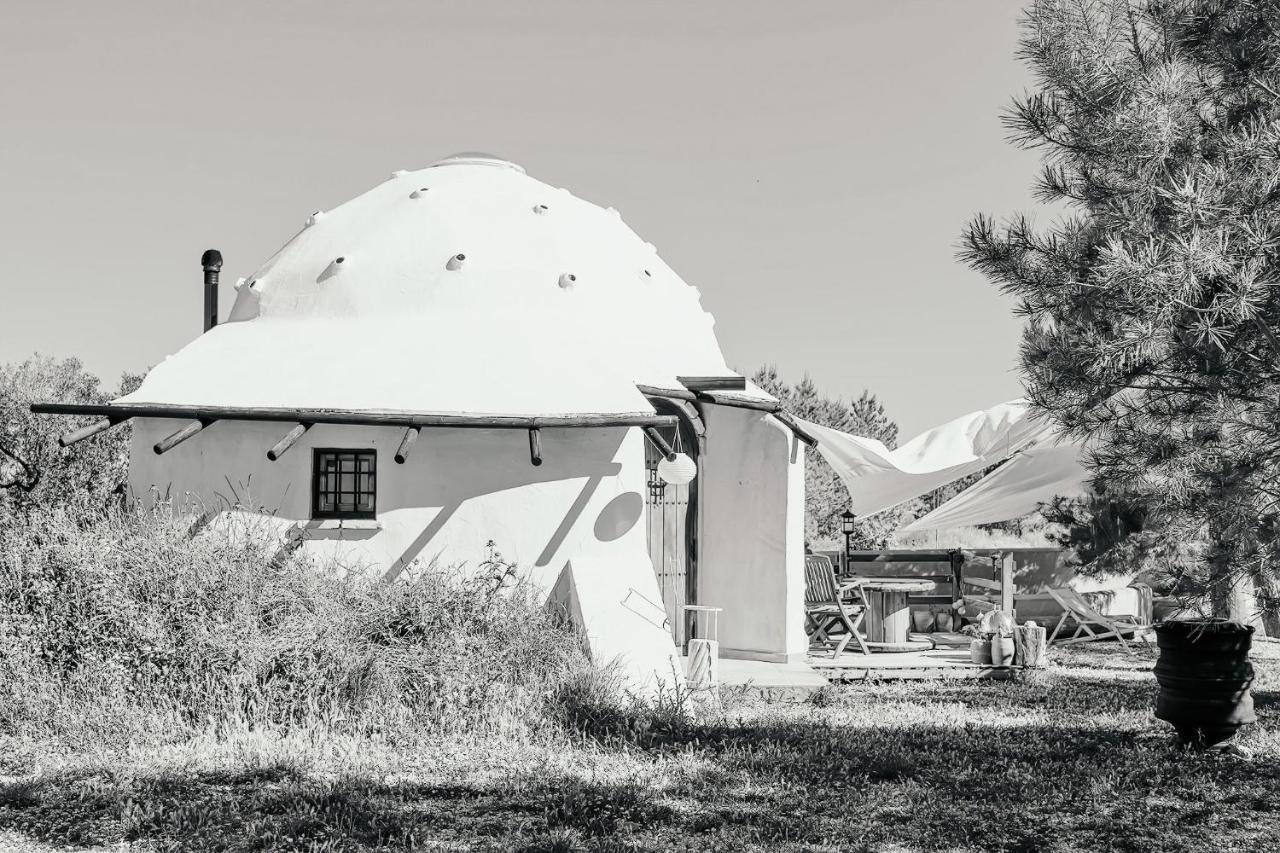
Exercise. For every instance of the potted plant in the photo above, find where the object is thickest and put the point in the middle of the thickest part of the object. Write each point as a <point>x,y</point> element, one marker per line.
<point>979,644</point>
<point>992,642</point>
<point>1204,675</point>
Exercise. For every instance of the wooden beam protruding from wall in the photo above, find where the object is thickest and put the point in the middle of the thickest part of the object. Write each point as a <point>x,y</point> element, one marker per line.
<point>535,446</point>
<point>799,431</point>
<point>660,443</point>
<point>70,438</point>
<point>406,444</point>
<point>164,445</point>
<point>281,447</point>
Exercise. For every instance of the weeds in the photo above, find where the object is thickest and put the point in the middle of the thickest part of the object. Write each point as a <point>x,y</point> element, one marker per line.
<point>126,630</point>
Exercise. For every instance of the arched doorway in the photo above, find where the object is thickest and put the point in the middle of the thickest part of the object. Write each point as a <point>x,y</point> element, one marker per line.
<point>671,514</point>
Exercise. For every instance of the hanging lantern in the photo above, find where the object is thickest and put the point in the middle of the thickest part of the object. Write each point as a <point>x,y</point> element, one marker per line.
<point>678,470</point>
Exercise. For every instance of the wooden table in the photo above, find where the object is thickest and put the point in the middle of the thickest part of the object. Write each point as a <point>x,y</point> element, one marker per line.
<point>888,618</point>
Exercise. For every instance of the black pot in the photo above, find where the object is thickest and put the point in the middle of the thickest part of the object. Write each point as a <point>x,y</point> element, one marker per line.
<point>1204,675</point>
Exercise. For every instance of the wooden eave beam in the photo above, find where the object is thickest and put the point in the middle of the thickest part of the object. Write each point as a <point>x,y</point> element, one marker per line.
<point>70,438</point>
<point>172,440</point>
<point>800,432</point>
<point>406,444</point>
<point>208,414</point>
<point>281,447</point>
<point>668,393</point>
<point>735,402</point>
<point>713,383</point>
<point>769,406</point>
<point>535,447</point>
<point>660,443</point>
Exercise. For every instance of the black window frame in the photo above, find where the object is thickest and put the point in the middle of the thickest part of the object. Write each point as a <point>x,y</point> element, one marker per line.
<point>317,455</point>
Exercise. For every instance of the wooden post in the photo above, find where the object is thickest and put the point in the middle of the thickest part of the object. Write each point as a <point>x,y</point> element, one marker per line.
<point>164,445</point>
<point>1006,583</point>
<point>92,429</point>
<point>282,446</point>
<point>535,446</point>
<point>956,558</point>
<point>406,444</point>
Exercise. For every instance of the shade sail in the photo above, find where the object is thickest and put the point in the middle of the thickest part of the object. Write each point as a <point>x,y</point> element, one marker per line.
<point>1017,488</point>
<point>878,478</point>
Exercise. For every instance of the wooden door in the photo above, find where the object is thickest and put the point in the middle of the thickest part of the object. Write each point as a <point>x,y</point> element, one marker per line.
<point>671,519</point>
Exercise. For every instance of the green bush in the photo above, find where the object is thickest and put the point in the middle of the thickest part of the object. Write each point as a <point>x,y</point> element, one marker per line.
<point>35,472</point>
<point>124,627</point>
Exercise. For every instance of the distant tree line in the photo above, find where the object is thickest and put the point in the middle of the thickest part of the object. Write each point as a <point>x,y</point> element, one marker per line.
<point>34,470</point>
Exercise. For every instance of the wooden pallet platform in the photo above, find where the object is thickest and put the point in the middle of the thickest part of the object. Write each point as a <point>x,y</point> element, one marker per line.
<point>934,663</point>
<point>795,681</point>
<point>949,659</point>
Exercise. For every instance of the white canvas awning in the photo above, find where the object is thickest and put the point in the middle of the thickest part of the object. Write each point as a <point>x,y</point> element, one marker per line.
<point>1033,477</point>
<point>878,478</point>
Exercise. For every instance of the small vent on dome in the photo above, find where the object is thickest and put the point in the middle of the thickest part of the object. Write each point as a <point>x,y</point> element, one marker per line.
<point>399,173</point>
<point>567,280</point>
<point>419,192</point>
<point>315,217</point>
<point>335,266</point>
<point>455,263</point>
<point>648,274</point>
<point>540,208</point>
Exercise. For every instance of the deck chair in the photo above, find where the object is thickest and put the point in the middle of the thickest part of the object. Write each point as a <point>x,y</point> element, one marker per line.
<point>1090,624</point>
<point>825,609</point>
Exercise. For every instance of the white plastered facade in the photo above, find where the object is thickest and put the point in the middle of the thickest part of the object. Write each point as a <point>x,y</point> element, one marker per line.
<point>401,325</point>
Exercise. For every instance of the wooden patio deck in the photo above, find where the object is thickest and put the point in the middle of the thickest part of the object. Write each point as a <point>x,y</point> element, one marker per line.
<point>795,680</point>
<point>932,663</point>
<point>948,659</point>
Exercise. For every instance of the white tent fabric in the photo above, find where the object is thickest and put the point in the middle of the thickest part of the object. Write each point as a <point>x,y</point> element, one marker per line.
<point>1015,489</point>
<point>878,478</point>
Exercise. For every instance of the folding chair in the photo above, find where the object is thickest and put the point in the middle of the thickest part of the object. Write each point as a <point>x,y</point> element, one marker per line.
<point>825,609</point>
<point>1088,619</point>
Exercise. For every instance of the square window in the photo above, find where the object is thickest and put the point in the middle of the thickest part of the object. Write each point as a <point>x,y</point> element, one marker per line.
<point>344,484</point>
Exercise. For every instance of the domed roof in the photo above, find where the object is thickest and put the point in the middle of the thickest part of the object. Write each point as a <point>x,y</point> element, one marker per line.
<point>466,286</point>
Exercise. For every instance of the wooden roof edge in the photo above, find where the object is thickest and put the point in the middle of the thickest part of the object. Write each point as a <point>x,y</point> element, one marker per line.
<point>772,407</point>
<point>356,417</point>
<point>731,382</point>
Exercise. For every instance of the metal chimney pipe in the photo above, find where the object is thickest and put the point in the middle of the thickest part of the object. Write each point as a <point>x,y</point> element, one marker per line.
<point>211,260</point>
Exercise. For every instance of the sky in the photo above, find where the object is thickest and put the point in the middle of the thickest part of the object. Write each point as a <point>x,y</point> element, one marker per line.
<point>808,166</point>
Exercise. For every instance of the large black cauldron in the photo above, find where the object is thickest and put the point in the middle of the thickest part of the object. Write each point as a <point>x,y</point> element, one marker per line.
<point>1204,675</point>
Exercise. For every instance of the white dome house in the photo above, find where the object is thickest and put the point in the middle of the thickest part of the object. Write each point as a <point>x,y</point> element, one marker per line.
<point>464,354</point>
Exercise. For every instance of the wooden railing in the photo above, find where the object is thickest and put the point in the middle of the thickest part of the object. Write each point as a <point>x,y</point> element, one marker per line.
<point>995,593</point>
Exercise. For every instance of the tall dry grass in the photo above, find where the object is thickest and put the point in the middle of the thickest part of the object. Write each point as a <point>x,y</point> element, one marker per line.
<point>123,629</point>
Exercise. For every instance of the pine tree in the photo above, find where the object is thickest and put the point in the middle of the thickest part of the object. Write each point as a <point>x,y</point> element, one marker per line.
<point>1152,308</point>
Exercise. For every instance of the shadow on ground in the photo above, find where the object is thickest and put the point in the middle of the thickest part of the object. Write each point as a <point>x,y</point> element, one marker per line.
<point>1072,763</point>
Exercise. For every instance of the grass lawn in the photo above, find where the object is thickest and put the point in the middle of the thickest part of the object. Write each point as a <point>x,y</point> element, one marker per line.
<point>1071,759</point>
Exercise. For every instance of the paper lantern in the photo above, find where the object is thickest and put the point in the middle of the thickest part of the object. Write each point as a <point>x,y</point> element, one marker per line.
<point>677,471</point>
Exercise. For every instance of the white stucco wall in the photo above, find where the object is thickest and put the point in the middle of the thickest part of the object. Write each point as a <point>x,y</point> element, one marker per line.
<point>574,523</point>
<point>752,531</point>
